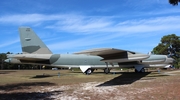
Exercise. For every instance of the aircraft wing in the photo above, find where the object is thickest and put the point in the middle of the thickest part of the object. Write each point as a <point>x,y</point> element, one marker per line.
<point>115,55</point>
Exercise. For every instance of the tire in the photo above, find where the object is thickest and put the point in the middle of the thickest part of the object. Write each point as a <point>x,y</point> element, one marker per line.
<point>106,70</point>
<point>89,71</point>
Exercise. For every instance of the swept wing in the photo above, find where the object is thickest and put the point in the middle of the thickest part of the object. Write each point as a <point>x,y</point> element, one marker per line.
<point>115,55</point>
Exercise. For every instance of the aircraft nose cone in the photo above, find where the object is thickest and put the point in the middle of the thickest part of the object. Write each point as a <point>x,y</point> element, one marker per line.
<point>171,60</point>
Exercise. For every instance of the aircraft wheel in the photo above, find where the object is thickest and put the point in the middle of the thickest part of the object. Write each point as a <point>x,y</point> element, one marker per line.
<point>89,71</point>
<point>106,70</point>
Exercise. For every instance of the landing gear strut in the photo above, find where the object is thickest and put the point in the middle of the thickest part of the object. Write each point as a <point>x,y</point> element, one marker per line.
<point>142,70</point>
<point>106,70</point>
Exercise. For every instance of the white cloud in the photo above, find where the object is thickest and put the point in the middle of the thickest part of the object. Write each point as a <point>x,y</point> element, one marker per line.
<point>74,23</point>
<point>27,18</point>
<point>89,24</point>
<point>150,25</point>
<point>81,42</point>
<point>93,30</point>
<point>10,42</point>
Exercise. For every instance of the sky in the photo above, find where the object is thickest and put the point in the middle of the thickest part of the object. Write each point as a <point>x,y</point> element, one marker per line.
<point>68,26</point>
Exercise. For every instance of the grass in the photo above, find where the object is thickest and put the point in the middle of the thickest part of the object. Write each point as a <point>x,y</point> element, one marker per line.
<point>69,77</point>
<point>130,85</point>
<point>66,76</point>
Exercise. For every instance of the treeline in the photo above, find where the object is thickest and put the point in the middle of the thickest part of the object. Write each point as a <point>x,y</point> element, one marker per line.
<point>169,45</point>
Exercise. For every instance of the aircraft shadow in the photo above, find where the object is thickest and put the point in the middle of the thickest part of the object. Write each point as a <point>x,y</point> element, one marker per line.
<point>124,78</point>
<point>42,76</point>
<point>94,73</point>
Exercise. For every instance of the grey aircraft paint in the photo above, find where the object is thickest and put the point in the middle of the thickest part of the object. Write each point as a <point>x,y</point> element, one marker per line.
<point>31,43</point>
<point>36,52</point>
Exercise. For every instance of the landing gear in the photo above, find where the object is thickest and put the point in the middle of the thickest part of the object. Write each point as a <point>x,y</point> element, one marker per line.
<point>141,71</point>
<point>106,70</point>
<point>89,71</point>
<point>136,70</point>
<point>92,70</point>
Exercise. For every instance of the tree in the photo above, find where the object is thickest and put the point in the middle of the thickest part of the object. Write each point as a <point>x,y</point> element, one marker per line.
<point>2,57</point>
<point>174,2</point>
<point>4,65</point>
<point>170,45</point>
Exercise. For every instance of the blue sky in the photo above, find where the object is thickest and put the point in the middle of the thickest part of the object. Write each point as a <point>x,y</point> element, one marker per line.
<point>76,25</point>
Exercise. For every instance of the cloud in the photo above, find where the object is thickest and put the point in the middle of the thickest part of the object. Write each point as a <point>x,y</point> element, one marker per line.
<point>94,30</point>
<point>81,42</point>
<point>82,24</point>
<point>96,24</point>
<point>150,25</point>
<point>27,18</point>
<point>10,42</point>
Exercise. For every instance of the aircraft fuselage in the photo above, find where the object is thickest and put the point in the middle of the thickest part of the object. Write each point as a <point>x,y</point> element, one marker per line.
<point>76,60</point>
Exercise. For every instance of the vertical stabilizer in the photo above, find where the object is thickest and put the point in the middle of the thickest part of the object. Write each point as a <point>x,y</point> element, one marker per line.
<point>31,43</point>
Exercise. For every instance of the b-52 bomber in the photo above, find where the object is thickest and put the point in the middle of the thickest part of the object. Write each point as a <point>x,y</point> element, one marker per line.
<point>34,51</point>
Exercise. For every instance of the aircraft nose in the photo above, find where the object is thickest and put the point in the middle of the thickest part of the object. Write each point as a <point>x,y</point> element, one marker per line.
<point>171,60</point>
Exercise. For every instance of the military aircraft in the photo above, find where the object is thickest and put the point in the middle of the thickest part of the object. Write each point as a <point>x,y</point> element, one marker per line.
<point>36,52</point>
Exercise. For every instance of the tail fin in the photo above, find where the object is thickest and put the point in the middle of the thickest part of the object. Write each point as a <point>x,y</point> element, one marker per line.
<point>31,43</point>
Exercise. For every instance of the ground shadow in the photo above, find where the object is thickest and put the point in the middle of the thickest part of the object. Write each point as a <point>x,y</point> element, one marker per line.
<point>42,76</point>
<point>19,86</point>
<point>29,95</point>
<point>6,72</point>
<point>124,78</point>
<point>160,75</point>
<point>9,91</point>
<point>95,72</point>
